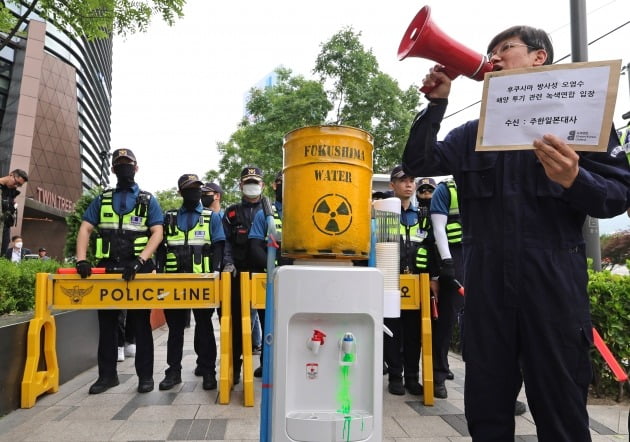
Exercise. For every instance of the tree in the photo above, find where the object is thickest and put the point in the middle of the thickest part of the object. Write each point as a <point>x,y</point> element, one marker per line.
<point>291,103</point>
<point>169,199</point>
<point>365,97</point>
<point>92,19</point>
<point>357,93</point>
<point>616,247</point>
<point>73,221</point>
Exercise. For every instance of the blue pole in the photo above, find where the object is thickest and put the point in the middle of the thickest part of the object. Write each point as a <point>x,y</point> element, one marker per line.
<point>266,404</point>
<point>372,254</point>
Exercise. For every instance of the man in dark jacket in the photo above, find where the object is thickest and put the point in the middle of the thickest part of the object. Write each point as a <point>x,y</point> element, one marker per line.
<point>525,270</point>
<point>17,252</point>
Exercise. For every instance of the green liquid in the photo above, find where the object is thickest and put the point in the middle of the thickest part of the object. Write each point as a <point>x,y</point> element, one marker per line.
<point>344,395</point>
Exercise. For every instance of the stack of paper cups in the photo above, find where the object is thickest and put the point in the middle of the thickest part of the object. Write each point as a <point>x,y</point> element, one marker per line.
<point>387,261</point>
<point>388,253</point>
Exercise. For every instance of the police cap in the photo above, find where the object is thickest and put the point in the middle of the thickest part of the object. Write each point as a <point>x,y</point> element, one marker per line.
<point>251,173</point>
<point>212,187</point>
<point>188,180</point>
<point>122,153</point>
<point>397,173</point>
<point>426,182</point>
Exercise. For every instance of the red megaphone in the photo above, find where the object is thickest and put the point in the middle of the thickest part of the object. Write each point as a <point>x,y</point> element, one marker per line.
<point>425,40</point>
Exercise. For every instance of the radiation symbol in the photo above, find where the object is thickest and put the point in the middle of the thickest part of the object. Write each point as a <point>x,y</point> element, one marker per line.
<point>332,214</point>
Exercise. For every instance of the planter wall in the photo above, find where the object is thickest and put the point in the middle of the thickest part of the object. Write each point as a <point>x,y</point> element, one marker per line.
<point>77,342</point>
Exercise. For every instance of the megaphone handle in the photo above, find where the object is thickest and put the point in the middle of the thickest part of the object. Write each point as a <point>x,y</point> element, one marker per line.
<point>449,73</point>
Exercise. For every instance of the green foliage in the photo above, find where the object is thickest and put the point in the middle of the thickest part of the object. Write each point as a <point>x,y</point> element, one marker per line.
<point>615,247</point>
<point>94,19</point>
<point>350,85</point>
<point>73,221</point>
<point>291,103</point>
<point>365,97</point>
<point>17,283</point>
<point>7,20</point>
<point>169,199</point>
<point>610,312</point>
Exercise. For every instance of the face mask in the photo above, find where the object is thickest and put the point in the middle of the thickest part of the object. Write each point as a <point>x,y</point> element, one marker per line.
<point>191,197</point>
<point>207,200</point>
<point>18,245</point>
<point>424,202</point>
<point>125,174</point>
<point>252,190</point>
<point>279,192</point>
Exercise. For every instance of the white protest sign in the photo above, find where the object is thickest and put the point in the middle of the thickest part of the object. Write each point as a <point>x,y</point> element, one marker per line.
<point>573,101</point>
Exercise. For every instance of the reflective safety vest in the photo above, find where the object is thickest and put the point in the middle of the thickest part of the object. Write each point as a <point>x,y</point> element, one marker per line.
<point>278,222</point>
<point>625,142</point>
<point>122,237</point>
<point>188,251</point>
<point>412,237</point>
<point>422,255</point>
<point>422,258</point>
<point>453,221</point>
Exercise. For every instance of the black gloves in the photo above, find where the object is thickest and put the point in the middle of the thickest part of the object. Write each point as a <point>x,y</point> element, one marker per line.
<point>132,268</point>
<point>84,268</point>
<point>447,270</point>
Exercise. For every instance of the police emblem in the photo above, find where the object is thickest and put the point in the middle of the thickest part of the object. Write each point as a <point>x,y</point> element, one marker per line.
<point>76,293</point>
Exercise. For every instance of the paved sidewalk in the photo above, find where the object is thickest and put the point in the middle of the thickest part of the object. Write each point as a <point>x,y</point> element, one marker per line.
<point>189,413</point>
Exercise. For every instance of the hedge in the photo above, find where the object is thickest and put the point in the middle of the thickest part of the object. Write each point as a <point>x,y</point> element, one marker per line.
<point>17,283</point>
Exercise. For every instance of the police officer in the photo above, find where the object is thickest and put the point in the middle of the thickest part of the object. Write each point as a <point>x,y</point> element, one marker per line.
<point>211,196</point>
<point>9,190</point>
<point>129,224</point>
<point>406,329</point>
<point>237,221</point>
<point>447,228</point>
<point>258,245</point>
<point>525,269</point>
<point>193,243</point>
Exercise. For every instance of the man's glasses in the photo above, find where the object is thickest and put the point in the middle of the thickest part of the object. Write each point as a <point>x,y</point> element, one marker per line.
<point>422,191</point>
<point>17,182</point>
<point>506,47</point>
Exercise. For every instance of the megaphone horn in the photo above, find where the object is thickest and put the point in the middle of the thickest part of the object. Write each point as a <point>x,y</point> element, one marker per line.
<point>425,39</point>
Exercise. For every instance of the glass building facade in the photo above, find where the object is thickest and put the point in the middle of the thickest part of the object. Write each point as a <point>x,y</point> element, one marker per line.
<point>93,63</point>
<point>55,120</point>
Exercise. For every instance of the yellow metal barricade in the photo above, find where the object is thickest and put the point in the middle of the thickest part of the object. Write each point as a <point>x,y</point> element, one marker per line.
<point>246,321</point>
<point>110,291</point>
<point>414,293</point>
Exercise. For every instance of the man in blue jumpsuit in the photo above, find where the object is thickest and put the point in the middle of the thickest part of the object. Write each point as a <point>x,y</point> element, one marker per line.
<point>527,309</point>
<point>129,224</point>
<point>193,243</point>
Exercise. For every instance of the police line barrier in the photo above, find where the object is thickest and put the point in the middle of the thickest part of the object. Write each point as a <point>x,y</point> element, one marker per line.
<point>414,293</point>
<point>110,291</point>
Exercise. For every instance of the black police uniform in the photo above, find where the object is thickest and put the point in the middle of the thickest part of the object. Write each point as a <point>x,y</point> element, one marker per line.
<point>450,301</point>
<point>122,253</point>
<point>185,251</point>
<point>237,221</point>
<point>415,233</point>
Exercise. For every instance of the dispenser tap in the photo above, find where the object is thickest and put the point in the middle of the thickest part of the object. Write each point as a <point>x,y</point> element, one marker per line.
<point>315,341</point>
<point>347,349</point>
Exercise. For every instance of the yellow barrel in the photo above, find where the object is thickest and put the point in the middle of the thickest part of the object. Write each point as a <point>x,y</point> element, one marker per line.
<point>327,192</point>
